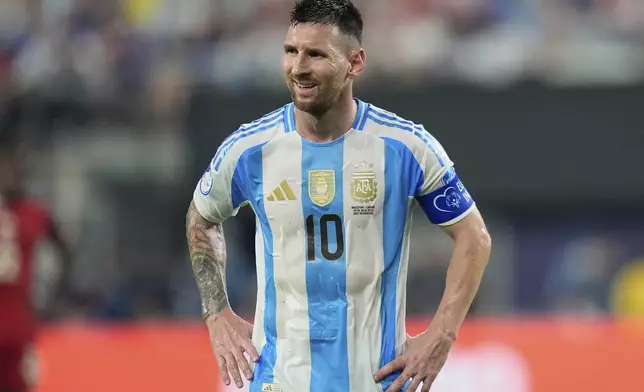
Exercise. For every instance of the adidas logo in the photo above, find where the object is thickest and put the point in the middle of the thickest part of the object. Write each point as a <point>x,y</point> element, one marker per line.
<point>282,192</point>
<point>266,387</point>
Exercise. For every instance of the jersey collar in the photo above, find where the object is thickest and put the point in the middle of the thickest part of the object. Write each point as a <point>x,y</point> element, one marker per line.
<point>358,122</point>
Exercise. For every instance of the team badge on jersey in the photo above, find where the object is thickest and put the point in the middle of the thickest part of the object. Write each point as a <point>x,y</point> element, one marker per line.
<point>364,187</point>
<point>205,185</point>
<point>322,186</point>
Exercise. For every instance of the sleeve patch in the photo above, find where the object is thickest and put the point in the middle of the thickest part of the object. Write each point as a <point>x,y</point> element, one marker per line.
<point>205,184</point>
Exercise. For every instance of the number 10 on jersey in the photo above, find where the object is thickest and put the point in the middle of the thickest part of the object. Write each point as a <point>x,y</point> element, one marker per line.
<point>327,222</point>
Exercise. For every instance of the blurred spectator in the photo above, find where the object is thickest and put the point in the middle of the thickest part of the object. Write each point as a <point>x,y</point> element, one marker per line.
<point>580,279</point>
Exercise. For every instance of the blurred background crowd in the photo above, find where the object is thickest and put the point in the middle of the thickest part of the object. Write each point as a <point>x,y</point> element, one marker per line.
<point>120,105</point>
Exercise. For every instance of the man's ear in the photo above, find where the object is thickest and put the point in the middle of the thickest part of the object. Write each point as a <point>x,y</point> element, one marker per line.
<point>357,61</point>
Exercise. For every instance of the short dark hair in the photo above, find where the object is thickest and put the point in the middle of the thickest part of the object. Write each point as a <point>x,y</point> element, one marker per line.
<point>340,13</point>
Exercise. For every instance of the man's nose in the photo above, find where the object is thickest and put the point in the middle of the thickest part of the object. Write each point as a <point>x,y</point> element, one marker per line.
<point>301,65</point>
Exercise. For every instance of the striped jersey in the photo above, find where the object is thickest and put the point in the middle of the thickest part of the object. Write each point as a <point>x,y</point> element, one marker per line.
<point>332,242</point>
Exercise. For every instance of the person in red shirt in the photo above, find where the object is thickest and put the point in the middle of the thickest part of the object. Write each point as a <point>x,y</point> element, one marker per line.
<point>24,223</point>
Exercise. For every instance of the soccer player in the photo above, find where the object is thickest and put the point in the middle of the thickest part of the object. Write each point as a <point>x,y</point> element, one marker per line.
<point>23,224</point>
<point>332,181</point>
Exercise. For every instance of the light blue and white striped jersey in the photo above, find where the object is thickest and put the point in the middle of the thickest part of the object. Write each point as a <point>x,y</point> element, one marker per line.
<point>332,242</point>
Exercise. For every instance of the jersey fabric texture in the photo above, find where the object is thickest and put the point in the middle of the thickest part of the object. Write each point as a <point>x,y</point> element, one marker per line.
<point>332,242</point>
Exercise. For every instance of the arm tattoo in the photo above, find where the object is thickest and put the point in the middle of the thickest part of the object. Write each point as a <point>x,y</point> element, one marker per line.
<point>208,256</point>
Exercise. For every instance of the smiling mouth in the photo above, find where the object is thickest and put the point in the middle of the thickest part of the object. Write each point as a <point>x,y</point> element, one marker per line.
<point>305,86</point>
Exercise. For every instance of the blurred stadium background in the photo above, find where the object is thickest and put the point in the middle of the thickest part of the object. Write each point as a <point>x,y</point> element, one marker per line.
<point>121,105</point>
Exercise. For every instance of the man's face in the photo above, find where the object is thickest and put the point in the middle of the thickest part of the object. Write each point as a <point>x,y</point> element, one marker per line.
<point>316,66</point>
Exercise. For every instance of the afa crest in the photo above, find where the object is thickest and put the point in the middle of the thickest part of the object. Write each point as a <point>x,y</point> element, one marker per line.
<point>364,187</point>
<point>322,186</point>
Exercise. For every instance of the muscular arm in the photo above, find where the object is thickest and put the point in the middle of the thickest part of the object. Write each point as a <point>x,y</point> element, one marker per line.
<point>472,245</point>
<point>208,256</point>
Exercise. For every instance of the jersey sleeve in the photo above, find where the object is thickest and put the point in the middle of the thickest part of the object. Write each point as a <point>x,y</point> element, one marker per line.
<point>439,191</point>
<point>219,195</point>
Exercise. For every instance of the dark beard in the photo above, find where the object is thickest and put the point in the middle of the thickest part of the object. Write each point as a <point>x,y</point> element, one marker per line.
<point>316,108</point>
<point>319,106</point>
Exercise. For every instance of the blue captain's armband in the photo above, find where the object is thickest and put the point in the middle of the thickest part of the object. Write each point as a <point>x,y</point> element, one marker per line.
<point>447,204</point>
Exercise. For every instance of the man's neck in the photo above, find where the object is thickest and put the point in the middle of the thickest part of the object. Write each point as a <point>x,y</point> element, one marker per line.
<point>331,125</point>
